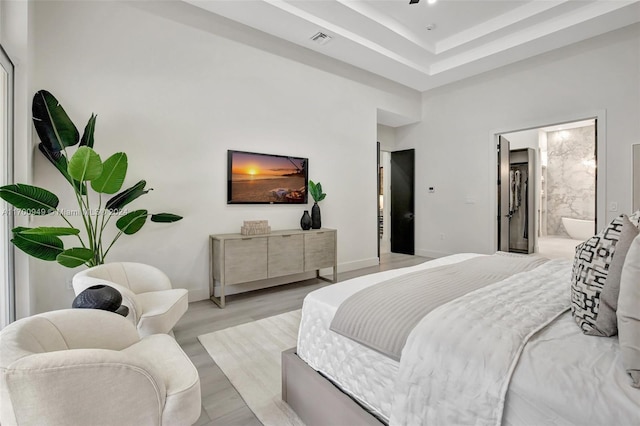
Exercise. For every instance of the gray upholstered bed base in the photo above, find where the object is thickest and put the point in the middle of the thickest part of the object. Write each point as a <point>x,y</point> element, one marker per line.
<point>316,400</point>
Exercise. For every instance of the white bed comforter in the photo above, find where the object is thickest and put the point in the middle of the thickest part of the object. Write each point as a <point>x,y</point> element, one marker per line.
<point>457,363</point>
<point>363,373</point>
<point>563,377</point>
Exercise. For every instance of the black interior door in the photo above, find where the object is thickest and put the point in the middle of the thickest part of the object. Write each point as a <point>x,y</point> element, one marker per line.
<point>402,201</point>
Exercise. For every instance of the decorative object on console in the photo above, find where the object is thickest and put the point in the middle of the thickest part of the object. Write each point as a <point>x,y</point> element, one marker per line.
<point>103,297</point>
<point>57,133</point>
<point>254,178</point>
<point>255,227</point>
<point>315,189</point>
<point>316,220</point>
<point>305,221</point>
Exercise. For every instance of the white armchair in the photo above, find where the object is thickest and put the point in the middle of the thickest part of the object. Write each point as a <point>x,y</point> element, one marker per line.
<point>154,306</point>
<point>90,367</point>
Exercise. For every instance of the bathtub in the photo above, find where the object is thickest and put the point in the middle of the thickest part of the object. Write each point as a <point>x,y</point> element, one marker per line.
<point>579,229</point>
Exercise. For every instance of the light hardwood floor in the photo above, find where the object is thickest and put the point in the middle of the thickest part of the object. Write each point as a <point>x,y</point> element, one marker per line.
<point>221,403</point>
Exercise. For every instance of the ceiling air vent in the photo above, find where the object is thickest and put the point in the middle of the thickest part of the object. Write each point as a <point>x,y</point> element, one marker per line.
<point>321,38</point>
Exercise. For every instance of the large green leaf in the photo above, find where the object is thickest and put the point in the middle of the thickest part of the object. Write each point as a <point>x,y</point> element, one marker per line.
<point>114,169</point>
<point>48,230</point>
<point>321,194</point>
<point>60,162</point>
<point>165,217</point>
<point>85,164</point>
<point>32,199</point>
<point>75,257</point>
<point>45,247</point>
<point>132,222</point>
<point>315,189</point>
<point>54,127</point>
<point>89,129</point>
<point>127,196</point>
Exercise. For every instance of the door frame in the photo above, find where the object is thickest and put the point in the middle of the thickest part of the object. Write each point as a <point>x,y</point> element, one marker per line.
<point>8,288</point>
<point>503,193</point>
<point>601,160</point>
<point>378,153</point>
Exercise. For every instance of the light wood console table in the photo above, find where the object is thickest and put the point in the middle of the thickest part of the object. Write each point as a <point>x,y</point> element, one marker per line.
<point>237,259</point>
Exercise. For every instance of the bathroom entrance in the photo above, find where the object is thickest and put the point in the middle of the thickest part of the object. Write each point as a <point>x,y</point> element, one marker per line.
<point>561,175</point>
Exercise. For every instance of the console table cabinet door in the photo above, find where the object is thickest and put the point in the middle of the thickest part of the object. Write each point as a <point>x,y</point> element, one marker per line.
<point>319,250</point>
<point>245,260</point>
<point>285,255</point>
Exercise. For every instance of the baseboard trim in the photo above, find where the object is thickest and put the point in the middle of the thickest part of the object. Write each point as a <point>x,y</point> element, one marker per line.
<point>198,294</point>
<point>432,253</point>
<point>358,264</point>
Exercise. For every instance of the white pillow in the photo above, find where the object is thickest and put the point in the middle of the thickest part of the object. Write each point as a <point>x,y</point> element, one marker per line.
<point>606,321</point>
<point>589,274</point>
<point>628,312</point>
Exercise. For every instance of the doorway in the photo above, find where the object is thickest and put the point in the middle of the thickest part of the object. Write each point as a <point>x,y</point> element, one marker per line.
<point>396,187</point>
<point>384,202</point>
<point>402,201</point>
<point>564,181</point>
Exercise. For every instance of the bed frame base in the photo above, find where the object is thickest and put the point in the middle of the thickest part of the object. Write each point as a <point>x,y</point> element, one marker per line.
<point>315,399</point>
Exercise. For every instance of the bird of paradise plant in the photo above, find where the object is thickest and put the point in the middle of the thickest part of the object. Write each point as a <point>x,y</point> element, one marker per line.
<point>84,170</point>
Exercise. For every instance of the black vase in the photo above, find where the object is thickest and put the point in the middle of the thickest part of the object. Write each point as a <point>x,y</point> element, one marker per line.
<point>316,222</point>
<point>305,221</point>
<point>98,297</point>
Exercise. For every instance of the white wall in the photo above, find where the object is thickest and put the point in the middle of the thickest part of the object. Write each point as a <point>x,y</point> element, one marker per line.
<point>454,149</point>
<point>524,139</point>
<point>386,137</point>
<point>175,98</point>
<point>175,95</point>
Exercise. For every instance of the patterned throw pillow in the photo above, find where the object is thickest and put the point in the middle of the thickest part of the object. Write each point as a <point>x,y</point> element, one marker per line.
<point>589,274</point>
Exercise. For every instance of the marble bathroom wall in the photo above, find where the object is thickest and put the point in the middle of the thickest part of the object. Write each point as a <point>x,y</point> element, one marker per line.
<point>570,177</point>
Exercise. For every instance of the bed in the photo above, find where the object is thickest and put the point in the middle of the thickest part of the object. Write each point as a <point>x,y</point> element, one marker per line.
<point>553,374</point>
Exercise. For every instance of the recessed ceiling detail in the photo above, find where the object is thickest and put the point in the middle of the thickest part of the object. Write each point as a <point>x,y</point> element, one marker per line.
<point>388,37</point>
<point>321,38</point>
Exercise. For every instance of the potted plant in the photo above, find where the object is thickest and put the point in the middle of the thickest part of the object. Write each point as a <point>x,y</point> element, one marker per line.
<point>91,179</point>
<point>315,189</point>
